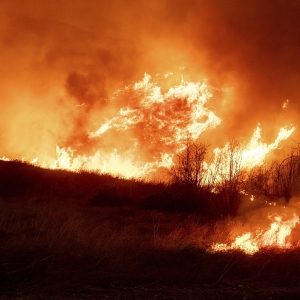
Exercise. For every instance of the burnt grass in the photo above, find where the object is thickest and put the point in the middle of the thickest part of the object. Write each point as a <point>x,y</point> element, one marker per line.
<point>81,235</point>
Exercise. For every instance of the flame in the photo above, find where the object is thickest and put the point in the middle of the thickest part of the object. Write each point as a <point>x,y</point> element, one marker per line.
<point>4,158</point>
<point>179,112</point>
<point>274,237</point>
<point>285,104</point>
<point>152,129</point>
<point>113,164</point>
<point>168,119</point>
<point>126,165</point>
<point>256,151</point>
<point>234,157</point>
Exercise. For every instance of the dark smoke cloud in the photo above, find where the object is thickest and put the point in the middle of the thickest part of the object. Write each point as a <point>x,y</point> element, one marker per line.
<point>87,89</point>
<point>56,55</point>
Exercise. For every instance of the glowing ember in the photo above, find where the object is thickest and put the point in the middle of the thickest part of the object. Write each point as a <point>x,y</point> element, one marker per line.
<point>285,104</point>
<point>275,237</point>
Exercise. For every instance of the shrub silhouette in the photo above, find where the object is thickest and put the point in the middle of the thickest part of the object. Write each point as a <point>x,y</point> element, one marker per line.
<point>108,196</point>
<point>175,197</point>
<point>213,190</point>
<point>276,179</point>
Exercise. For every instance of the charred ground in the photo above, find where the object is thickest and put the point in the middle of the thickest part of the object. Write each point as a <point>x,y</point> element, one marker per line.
<point>82,235</point>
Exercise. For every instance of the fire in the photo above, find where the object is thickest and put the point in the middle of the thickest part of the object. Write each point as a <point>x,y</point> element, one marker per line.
<point>234,157</point>
<point>285,104</point>
<point>179,112</point>
<point>113,164</point>
<point>256,151</point>
<point>167,119</point>
<point>4,158</point>
<point>274,237</point>
<point>152,129</point>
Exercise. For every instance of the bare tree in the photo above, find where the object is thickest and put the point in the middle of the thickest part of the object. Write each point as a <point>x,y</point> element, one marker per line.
<point>287,177</point>
<point>278,179</point>
<point>189,167</point>
<point>229,177</point>
<point>230,166</point>
<point>260,180</point>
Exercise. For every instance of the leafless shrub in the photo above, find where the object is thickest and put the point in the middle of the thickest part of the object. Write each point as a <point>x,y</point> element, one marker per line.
<point>216,184</point>
<point>260,179</point>
<point>227,176</point>
<point>189,168</point>
<point>287,176</point>
<point>276,179</point>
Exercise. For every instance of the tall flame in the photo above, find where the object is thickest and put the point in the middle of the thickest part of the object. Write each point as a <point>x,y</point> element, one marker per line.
<point>236,156</point>
<point>256,151</point>
<point>180,112</point>
<point>154,126</point>
<point>167,119</point>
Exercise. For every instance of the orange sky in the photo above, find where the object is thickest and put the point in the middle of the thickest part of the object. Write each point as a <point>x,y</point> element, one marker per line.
<point>57,55</point>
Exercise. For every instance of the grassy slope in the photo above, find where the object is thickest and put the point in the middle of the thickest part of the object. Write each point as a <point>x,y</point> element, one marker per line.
<point>54,238</point>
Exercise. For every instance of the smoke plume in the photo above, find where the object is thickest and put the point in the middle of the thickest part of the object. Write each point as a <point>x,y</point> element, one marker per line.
<point>61,63</point>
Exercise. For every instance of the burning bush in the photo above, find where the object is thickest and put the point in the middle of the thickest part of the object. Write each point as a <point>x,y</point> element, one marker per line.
<point>276,179</point>
<point>217,184</point>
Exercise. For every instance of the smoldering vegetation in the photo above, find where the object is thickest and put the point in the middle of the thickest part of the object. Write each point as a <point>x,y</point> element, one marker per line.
<point>62,231</point>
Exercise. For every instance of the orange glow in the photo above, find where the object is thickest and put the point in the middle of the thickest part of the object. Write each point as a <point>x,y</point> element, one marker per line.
<point>169,118</point>
<point>75,96</point>
<point>233,158</point>
<point>285,104</point>
<point>256,151</point>
<point>164,121</point>
<point>274,237</point>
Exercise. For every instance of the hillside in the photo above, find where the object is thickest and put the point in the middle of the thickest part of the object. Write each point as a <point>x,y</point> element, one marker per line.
<point>84,236</point>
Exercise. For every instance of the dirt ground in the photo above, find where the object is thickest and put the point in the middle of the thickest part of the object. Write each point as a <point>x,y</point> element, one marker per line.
<point>162,292</point>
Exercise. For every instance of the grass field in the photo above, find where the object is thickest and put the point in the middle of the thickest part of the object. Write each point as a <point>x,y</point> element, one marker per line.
<point>84,236</point>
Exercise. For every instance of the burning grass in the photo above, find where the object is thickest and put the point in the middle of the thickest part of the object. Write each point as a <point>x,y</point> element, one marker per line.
<point>55,237</point>
<point>55,246</point>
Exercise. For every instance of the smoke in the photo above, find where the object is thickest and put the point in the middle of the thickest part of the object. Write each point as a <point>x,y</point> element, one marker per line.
<point>252,46</point>
<point>62,61</point>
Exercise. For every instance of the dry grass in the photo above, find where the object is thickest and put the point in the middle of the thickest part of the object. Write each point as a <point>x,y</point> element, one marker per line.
<point>57,246</point>
<point>53,239</point>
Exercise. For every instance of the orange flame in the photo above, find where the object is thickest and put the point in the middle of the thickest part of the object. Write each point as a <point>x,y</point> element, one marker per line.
<point>170,118</point>
<point>256,151</point>
<point>244,157</point>
<point>275,237</point>
<point>167,120</point>
<point>184,104</point>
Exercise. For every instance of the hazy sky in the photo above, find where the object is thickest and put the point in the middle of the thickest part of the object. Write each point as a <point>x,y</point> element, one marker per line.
<point>57,55</point>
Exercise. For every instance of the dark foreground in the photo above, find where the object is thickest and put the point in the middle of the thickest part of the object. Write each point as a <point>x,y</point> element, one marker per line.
<point>262,292</point>
<point>55,244</point>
